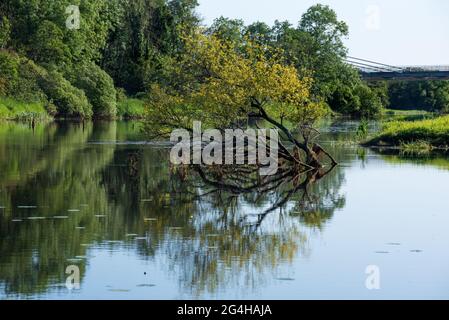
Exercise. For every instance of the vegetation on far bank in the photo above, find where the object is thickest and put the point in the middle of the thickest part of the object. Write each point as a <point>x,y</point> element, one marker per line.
<point>124,48</point>
<point>134,45</point>
<point>413,135</point>
<point>14,110</point>
<point>131,108</point>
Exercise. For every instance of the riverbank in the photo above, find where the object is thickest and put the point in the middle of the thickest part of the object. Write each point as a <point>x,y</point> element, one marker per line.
<point>14,110</point>
<point>422,134</point>
<point>11,109</point>
<point>131,109</point>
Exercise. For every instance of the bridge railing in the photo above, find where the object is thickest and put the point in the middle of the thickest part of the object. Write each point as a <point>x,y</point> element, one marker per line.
<point>425,68</point>
<point>368,66</point>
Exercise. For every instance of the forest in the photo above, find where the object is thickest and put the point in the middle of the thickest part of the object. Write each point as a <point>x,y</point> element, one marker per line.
<point>105,68</point>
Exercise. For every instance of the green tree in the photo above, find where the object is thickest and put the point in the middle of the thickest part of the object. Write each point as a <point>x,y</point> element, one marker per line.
<point>98,87</point>
<point>48,44</point>
<point>222,84</point>
<point>260,32</point>
<point>228,29</point>
<point>140,47</point>
<point>422,95</point>
<point>5,31</point>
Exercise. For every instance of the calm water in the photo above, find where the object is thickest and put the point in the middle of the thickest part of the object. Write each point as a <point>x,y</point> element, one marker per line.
<point>95,197</point>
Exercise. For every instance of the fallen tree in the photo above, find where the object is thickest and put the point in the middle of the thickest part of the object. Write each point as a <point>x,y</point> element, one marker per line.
<point>228,86</point>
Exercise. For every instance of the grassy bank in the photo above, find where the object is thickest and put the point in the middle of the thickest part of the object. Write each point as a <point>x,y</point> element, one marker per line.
<point>130,108</point>
<point>430,133</point>
<point>11,109</point>
<point>406,115</point>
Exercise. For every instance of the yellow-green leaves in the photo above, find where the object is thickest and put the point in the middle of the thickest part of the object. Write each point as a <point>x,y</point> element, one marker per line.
<point>220,83</point>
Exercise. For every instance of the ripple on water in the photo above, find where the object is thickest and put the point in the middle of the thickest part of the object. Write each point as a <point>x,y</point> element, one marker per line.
<point>285,279</point>
<point>119,290</point>
<point>146,285</point>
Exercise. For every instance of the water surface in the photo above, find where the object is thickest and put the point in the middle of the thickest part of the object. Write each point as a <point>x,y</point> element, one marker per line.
<point>97,197</point>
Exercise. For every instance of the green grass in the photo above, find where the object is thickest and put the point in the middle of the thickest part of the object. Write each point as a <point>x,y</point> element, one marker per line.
<point>406,115</point>
<point>417,148</point>
<point>130,108</point>
<point>412,134</point>
<point>393,112</point>
<point>11,109</point>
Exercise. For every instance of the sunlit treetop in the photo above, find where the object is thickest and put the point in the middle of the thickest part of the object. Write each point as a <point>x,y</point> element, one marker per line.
<point>222,84</point>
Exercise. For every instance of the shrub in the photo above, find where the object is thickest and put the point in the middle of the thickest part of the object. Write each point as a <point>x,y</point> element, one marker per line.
<point>23,80</point>
<point>15,110</point>
<point>9,72</point>
<point>131,108</point>
<point>5,30</point>
<point>99,88</point>
<point>70,101</point>
<point>434,132</point>
<point>358,101</point>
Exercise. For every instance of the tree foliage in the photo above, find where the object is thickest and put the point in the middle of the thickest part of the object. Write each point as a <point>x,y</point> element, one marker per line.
<point>315,46</point>
<point>424,95</point>
<point>135,44</point>
<point>139,48</point>
<point>224,85</point>
<point>5,30</point>
<point>221,85</point>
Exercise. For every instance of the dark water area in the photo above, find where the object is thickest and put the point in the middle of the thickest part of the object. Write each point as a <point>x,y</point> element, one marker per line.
<point>97,197</point>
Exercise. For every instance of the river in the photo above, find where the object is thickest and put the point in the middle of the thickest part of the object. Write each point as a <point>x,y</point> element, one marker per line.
<point>97,198</point>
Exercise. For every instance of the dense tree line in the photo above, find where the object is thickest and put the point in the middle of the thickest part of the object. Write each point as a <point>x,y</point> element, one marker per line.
<point>424,95</point>
<point>75,72</point>
<point>125,46</point>
<point>315,45</point>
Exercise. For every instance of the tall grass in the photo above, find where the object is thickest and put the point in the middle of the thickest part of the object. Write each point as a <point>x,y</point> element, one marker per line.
<point>433,132</point>
<point>130,108</point>
<point>11,109</point>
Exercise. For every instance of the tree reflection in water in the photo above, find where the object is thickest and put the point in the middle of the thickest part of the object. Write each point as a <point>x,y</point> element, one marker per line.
<point>245,228</point>
<point>211,235</point>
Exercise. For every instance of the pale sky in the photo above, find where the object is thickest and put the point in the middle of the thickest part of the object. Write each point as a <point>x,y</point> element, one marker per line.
<point>397,32</point>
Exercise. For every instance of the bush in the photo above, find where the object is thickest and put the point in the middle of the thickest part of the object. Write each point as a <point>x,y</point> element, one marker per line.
<point>48,44</point>
<point>5,30</point>
<point>9,72</point>
<point>69,101</point>
<point>358,101</point>
<point>22,80</point>
<point>434,132</point>
<point>11,109</point>
<point>131,109</point>
<point>99,88</point>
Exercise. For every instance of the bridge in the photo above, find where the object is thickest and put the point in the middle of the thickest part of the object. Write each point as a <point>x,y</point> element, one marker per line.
<point>375,71</point>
